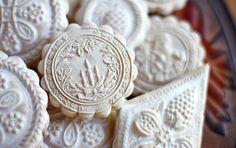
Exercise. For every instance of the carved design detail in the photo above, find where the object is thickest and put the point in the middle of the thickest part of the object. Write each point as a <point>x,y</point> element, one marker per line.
<point>21,25</point>
<point>18,30</point>
<point>163,124</point>
<point>21,101</point>
<point>88,66</point>
<point>171,50</point>
<point>92,84</point>
<point>117,20</point>
<point>71,132</point>
<point>126,17</point>
<point>161,61</point>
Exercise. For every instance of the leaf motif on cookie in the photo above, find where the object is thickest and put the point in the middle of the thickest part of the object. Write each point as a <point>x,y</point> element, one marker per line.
<point>70,135</point>
<point>9,100</point>
<point>176,118</point>
<point>147,123</point>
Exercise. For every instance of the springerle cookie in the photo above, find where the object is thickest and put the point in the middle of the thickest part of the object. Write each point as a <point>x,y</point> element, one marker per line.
<point>127,17</point>
<point>170,50</point>
<point>23,115</point>
<point>27,24</point>
<point>88,70</point>
<point>171,116</point>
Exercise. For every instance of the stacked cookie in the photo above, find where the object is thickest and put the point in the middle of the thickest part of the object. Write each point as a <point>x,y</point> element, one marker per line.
<point>111,50</point>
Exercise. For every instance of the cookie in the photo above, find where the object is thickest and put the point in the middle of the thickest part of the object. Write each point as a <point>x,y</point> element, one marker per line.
<point>171,116</point>
<point>23,115</point>
<point>170,50</point>
<point>88,70</point>
<point>72,132</point>
<point>129,18</point>
<point>165,7</point>
<point>26,26</point>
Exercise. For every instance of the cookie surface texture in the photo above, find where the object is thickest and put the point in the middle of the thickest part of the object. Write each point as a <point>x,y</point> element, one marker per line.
<point>170,50</point>
<point>23,115</point>
<point>27,24</point>
<point>88,70</point>
<point>129,18</point>
<point>171,116</point>
<point>72,132</point>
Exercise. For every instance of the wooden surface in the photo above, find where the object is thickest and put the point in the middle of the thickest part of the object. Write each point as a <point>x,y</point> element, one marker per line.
<point>232,7</point>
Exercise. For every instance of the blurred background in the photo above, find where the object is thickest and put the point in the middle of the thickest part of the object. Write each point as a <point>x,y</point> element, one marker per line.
<point>231,4</point>
<point>215,21</point>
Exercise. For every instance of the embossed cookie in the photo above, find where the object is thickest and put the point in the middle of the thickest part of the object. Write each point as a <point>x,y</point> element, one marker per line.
<point>127,17</point>
<point>23,104</point>
<point>88,70</point>
<point>170,50</point>
<point>171,116</point>
<point>27,24</point>
<point>74,133</point>
<point>165,7</point>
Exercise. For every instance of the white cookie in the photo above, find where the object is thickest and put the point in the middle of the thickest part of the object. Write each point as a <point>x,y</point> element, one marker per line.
<point>23,115</point>
<point>73,133</point>
<point>88,70</point>
<point>171,116</point>
<point>165,7</point>
<point>127,17</point>
<point>26,25</point>
<point>170,50</point>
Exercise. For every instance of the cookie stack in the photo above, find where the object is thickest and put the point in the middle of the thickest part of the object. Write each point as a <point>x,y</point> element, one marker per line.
<point>111,73</point>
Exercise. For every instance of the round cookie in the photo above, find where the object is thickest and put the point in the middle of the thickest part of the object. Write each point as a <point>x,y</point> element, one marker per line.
<point>165,7</point>
<point>170,50</point>
<point>127,17</point>
<point>26,25</point>
<point>88,70</point>
<point>23,115</point>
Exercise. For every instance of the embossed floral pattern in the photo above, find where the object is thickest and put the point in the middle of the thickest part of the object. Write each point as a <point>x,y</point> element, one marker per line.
<point>12,122</point>
<point>177,116</point>
<point>86,45</point>
<point>32,12</point>
<point>16,32</point>
<point>92,134</point>
<point>71,132</point>
<point>52,131</point>
<point>10,42</point>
